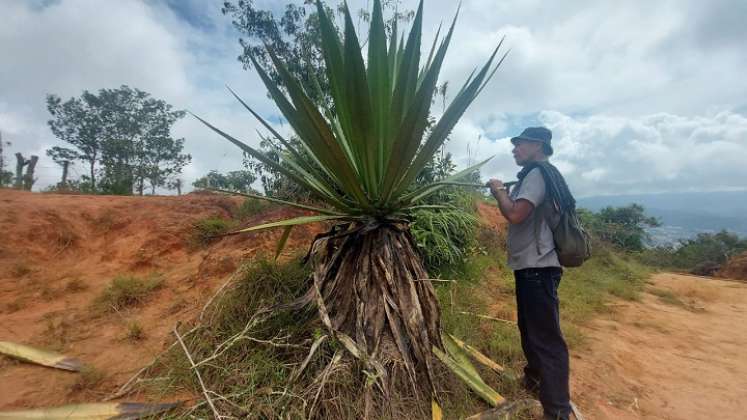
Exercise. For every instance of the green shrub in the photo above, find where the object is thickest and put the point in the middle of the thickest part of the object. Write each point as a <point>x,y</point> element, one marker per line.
<point>702,255</point>
<point>246,369</point>
<point>88,378</point>
<point>446,236</point>
<point>207,230</point>
<point>622,227</point>
<point>135,331</point>
<point>126,291</point>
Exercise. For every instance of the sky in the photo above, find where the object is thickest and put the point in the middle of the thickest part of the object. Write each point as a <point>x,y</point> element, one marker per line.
<point>641,96</point>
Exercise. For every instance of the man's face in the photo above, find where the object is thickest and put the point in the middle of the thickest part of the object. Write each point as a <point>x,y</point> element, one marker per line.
<point>526,151</point>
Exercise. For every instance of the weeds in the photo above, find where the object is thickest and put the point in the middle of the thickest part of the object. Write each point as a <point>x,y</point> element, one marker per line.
<point>76,285</point>
<point>88,378</point>
<point>20,270</point>
<point>207,230</point>
<point>668,297</point>
<point>126,291</point>
<point>251,207</point>
<point>135,331</point>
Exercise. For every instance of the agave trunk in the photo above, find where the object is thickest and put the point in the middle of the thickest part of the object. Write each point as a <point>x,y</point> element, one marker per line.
<point>373,294</point>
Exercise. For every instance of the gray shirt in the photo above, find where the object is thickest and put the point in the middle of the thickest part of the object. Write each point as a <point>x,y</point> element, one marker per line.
<point>522,240</point>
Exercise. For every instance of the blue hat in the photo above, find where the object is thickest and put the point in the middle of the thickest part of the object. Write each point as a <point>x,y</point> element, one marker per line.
<point>538,134</point>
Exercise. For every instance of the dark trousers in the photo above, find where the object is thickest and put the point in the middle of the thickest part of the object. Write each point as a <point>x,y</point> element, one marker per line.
<point>541,338</point>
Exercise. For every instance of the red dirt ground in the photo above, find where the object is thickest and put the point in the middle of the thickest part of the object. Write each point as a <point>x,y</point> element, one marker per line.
<point>57,254</point>
<point>656,360</point>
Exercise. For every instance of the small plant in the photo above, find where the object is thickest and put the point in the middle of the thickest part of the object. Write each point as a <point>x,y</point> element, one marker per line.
<point>444,237</point>
<point>105,221</point>
<point>251,207</point>
<point>126,291</point>
<point>135,331</point>
<point>88,378</point>
<point>207,230</point>
<point>20,270</point>
<point>14,306</point>
<point>47,293</point>
<point>76,285</point>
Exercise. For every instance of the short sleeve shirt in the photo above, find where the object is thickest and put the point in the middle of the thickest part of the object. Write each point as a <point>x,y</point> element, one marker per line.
<point>522,239</point>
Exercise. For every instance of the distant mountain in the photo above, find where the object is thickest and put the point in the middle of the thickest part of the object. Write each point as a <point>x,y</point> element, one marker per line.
<point>684,215</point>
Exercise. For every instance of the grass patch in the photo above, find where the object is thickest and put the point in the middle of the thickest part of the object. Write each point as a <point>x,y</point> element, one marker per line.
<point>667,296</point>
<point>251,207</point>
<point>249,369</point>
<point>20,270</point>
<point>584,290</point>
<point>135,331</point>
<point>75,285</point>
<point>208,230</point>
<point>88,378</point>
<point>125,291</point>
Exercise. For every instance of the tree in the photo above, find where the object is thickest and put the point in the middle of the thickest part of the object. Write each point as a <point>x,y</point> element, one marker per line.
<point>369,284</point>
<point>295,37</point>
<point>624,227</point>
<point>63,157</point>
<point>124,130</point>
<point>78,121</point>
<point>175,184</point>
<point>239,181</point>
<point>6,177</point>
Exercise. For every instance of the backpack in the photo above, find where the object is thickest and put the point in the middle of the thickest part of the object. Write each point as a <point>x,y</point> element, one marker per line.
<point>572,242</point>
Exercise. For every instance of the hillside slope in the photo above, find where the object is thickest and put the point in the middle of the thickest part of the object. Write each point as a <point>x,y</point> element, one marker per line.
<point>59,252</point>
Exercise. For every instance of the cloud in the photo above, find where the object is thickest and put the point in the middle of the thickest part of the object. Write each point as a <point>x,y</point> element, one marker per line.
<point>641,96</point>
<point>66,47</point>
<point>606,154</point>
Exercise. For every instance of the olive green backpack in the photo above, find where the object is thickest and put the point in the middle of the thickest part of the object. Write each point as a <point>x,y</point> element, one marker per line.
<point>572,242</point>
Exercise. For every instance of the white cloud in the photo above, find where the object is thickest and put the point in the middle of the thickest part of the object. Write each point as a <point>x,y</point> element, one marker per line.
<point>644,96</point>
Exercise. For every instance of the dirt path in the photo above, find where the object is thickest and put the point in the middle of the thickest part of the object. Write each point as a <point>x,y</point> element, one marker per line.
<point>678,353</point>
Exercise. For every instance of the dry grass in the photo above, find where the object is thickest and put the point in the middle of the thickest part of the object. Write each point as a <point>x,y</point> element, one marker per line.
<point>134,332</point>
<point>20,270</point>
<point>87,379</point>
<point>125,291</point>
<point>75,285</point>
<point>207,231</point>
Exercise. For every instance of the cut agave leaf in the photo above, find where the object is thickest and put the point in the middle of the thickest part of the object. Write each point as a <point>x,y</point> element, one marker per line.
<point>475,382</point>
<point>96,411</point>
<point>436,412</point>
<point>478,356</point>
<point>38,356</point>
<point>459,355</point>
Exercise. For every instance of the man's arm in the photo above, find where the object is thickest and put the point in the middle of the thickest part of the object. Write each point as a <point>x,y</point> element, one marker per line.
<point>514,211</point>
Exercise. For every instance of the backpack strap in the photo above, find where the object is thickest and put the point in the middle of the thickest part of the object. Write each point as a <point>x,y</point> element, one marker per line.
<point>547,205</point>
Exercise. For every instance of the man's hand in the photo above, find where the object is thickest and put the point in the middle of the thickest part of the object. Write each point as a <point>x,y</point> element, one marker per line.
<point>514,211</point>
<point>495,186</point>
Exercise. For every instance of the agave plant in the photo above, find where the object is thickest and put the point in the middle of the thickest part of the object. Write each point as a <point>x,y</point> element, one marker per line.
<point>360,159</point>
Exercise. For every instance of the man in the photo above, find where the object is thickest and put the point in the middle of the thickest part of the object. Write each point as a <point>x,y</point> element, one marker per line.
<point>532,256</point>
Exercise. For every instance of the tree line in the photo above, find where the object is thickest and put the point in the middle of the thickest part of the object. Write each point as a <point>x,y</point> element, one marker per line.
<point>122,136</point>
